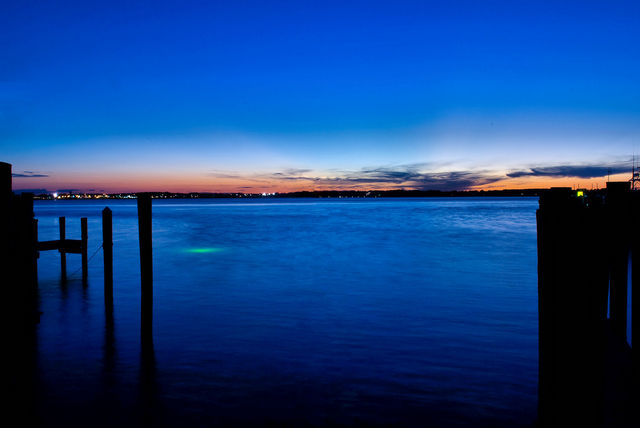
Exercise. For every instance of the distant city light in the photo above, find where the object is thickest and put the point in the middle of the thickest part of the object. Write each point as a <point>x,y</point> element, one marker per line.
<point>580,193</point>
<point>55,195</point>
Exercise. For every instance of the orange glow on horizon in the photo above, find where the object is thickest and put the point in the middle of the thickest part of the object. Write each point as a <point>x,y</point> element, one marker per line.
<point>185,183</point>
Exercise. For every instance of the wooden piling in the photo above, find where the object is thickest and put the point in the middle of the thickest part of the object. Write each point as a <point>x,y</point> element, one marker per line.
<point>36,253</point>
<point>6,231</point>
<point>618,198</point>
<point>107,252</point>
<point>63,255</point>
<point>635,287</point>
<point>146,265</point>
<point>5,181</point>
<point>85,239</point>
<point>572,281</point>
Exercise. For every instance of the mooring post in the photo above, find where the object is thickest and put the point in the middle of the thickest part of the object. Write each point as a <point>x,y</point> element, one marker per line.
<point>146,265</point>
<point>36,253</point>
<point>571,308</point>
<point>618,206</point>
<point>85,239</point>
<point>5,181</point>
<point>635,287</point>
<point>63,254</point>
<point>6,243</point>
<point>107,252</point>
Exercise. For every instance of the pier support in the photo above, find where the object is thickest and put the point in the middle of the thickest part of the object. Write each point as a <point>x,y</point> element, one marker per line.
<point>146,266</point>
<point>63,254</point>
<point>585,362</point>
<point>107,252</point>
<point>635,286</point>
<point>85,239</point>
<point>618,223</point>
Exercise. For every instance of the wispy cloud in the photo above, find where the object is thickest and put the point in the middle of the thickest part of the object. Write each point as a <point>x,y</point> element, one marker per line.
<point>28,174</point>
<point>409,176</point>
<point>580,171</point>
<point>34,191</point>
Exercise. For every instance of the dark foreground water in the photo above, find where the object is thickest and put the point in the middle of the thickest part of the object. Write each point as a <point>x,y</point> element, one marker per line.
<point>419,312</point>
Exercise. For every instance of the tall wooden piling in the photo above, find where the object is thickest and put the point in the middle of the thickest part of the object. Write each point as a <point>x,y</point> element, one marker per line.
<point>36,253</point>
<point>635,287</point>
<point>63,254</point>
<point>5,181</point>
<point>618,205</point>
<point>6,253</point>
<point>146,265</point>
<point>107,252</point>
<point>584,239</point>
<point>85,239</point>
<point>572,281</point>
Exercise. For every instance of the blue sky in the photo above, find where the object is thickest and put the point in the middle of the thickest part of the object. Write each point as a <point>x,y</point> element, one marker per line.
<point>230,95</point>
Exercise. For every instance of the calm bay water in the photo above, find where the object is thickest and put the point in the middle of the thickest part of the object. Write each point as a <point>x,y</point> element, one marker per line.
<point>294,311</point>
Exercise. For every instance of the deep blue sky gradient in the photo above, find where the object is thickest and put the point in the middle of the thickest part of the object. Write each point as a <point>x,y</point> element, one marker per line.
<point>258,87</point>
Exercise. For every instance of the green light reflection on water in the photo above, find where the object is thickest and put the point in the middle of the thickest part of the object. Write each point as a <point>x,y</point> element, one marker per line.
<point>204,250</point>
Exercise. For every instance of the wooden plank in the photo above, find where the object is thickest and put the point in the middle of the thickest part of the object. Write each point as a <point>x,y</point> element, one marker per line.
<point>73,246</point>
<point>48,245</point>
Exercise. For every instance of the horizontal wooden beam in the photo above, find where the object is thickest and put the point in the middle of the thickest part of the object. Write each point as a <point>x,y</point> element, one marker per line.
<point>47,245</point>
<point>73,246</point>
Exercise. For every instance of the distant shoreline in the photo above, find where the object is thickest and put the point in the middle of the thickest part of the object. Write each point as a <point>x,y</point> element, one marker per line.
<point>305,194</point>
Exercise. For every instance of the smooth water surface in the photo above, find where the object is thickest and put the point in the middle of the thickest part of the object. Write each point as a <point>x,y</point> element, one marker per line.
<point>297,311</point>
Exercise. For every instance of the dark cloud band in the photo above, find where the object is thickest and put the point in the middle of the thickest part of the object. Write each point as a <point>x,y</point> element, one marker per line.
<point>580,171</point>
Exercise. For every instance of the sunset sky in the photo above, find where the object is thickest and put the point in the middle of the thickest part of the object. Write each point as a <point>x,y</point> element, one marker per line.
<point>279,96</point>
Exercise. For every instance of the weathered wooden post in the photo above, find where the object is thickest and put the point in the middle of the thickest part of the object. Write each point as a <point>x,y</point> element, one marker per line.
<point>635,286</point>
<point>5,181</point>
<point>36,254</point>
<point>85,239</point>
<point>618,196</point>
<point>572,280</point>
<point>146,265</point>
<point>63,254</point>
<point>6,197</point>
<point>107,252</point>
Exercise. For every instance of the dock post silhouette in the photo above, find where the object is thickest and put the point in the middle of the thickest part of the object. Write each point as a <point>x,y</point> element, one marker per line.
<point>85,239</point>
<point>618,222</point>
<point>146,266</point>
<point>36,251</point>
<point>635,287</point>
<point>107,252</point>
<point>63,254</point>
<point>18,264</point>
<point>583,258</point>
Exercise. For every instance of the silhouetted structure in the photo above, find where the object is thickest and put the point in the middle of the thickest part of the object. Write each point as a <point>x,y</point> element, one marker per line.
<point>18,235</point>
<point>146,265</point>
<point>66,246</point>
<point>107,252</point>
<point>19,251</point>
<point>584,244</point>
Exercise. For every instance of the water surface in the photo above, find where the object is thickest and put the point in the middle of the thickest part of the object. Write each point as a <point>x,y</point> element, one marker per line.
<point>297,311</point>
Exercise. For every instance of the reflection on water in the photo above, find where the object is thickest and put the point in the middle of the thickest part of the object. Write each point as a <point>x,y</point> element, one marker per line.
<point>406,312</point>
